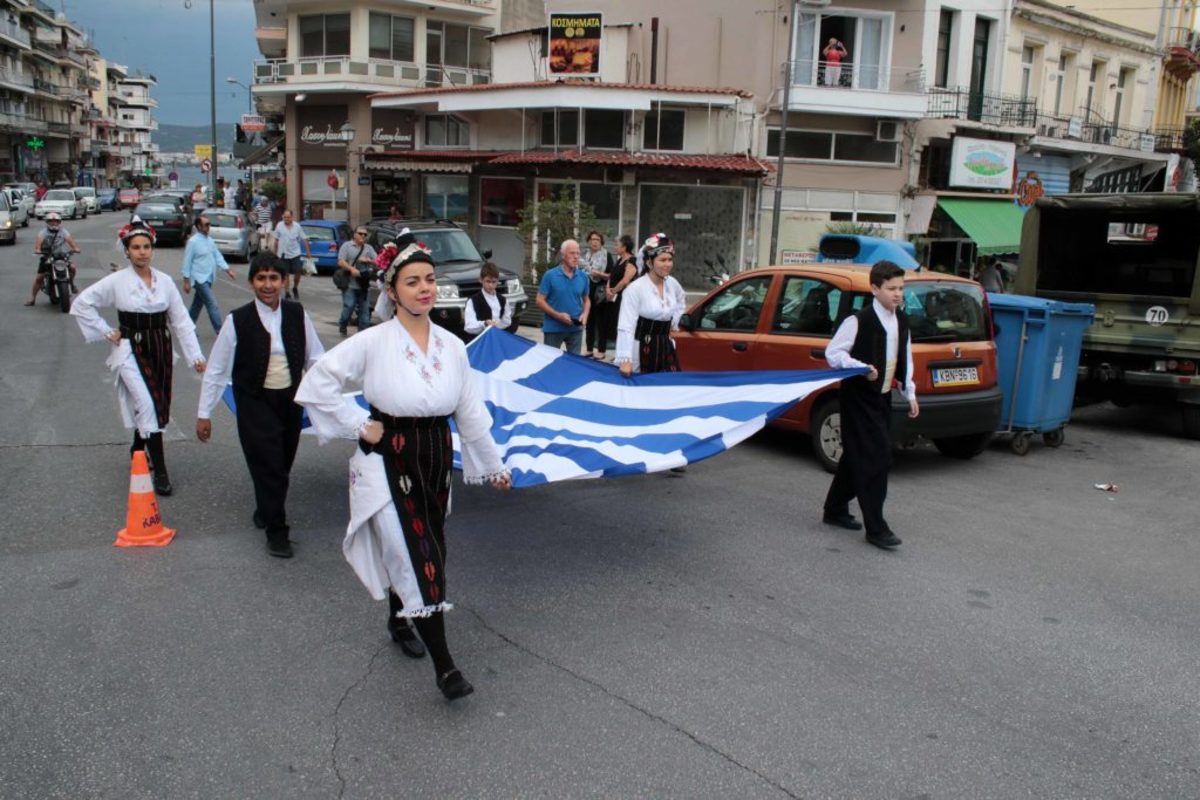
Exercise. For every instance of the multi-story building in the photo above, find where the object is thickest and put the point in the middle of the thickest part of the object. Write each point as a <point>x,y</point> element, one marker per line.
<point>51,126</point>
<point>135,126</point>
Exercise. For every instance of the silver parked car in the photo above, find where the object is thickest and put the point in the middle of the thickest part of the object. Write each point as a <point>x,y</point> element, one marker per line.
<point>234,232</point>
<point>63,201</point>
<point>91,204</point>
<point>21,205</point>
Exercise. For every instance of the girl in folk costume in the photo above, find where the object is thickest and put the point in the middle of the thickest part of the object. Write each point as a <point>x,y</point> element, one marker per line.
<point>415,375</point>
<point>650,309</point>
<point>149,308</point>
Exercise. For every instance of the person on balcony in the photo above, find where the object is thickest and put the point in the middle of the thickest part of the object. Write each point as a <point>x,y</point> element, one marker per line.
<point>833,54</point>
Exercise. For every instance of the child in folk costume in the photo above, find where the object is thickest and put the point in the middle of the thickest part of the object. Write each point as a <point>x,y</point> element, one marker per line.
<point>414,375</point>
<point>487,308</point>
<point>264,346</point>
<point>878,338</point>
<point>650,309</point>
<point>149,308</point>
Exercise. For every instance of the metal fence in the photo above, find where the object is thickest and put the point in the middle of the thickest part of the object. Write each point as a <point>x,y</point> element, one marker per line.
<point>988,107</point>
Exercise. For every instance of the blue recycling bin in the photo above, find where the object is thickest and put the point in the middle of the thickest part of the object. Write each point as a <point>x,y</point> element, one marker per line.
<point>1038,344</point>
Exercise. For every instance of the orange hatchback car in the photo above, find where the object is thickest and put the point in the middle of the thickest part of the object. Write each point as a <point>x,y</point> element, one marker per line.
<point>783,317</point>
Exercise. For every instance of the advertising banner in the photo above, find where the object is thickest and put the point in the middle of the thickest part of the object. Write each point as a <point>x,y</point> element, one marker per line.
<point>982,163</point>
<point>575,44</point>
<point>252,123</point>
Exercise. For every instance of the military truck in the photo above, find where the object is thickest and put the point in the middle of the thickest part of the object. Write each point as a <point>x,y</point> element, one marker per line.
<point>1134,256</point>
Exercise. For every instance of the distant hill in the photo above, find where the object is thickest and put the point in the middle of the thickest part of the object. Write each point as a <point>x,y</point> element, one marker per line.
<point>181,138</point>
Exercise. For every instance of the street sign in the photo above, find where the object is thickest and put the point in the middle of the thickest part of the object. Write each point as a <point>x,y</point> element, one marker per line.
<point>206,166</point>
<point>332,180</point>
<point>203,150</point>
<point>252,123</point>
<point>173,176</point>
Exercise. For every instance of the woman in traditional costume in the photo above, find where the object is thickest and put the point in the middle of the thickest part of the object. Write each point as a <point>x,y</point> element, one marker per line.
<point>149,308</point>
<point>415,376</point>
<point>650,309</point>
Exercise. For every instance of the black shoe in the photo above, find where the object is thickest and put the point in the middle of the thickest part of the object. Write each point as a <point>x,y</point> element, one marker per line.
<point>846,521</point>
<point>342,331</point>
<point>404,636</point>
<point>259,522</point>
<point>295,294</point>
<point>454,685</point>
<point>280,548</point>
<point>884,539</point>
<point>162,484</point>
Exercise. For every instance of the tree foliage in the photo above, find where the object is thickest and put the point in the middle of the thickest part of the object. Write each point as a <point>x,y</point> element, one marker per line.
<point>545,224</point>
<point>855,228</point>
<point>274,190</point>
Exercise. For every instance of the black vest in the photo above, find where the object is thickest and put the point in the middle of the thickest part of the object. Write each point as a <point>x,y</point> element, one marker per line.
<point>870,347</point>
<point>483,312</point>
<point>253,351</point>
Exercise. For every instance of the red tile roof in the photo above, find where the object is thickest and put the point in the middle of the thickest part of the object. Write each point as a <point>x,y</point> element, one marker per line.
<point>652,87</point>
<point>728,162</point>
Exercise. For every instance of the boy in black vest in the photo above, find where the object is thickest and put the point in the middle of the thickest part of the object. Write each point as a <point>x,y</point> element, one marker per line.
<point>488,307</point>
<point>264,346</point>
<point>877,338</point>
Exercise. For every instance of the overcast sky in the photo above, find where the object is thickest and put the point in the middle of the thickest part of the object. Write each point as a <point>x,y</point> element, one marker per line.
<point>170,41</point>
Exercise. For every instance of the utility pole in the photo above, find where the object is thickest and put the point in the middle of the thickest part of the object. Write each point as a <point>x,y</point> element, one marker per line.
<point>212,78</point>
<point>788,74</point>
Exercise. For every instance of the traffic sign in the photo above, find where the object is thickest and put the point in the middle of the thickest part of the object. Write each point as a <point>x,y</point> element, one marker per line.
<point>173,176</point>
<point>332,180</point>
<point>206,166</point>
<point>202,150</point>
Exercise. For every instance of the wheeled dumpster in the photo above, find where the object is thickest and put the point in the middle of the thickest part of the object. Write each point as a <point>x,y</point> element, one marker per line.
<point>1038,344</point>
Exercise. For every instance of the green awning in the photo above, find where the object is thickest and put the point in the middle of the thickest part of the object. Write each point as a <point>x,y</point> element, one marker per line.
<point>994,225</point>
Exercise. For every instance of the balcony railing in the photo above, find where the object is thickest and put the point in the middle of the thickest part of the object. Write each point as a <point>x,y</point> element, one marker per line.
<point>367,71</point>
<point>864,77</point>
<point>987,107</point>
<point>1186,38</point>
<point>1095,132</point>
<point>12,78</point>
<point>14,33</point>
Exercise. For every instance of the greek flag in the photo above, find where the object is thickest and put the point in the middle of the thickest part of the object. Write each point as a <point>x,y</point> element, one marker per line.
<point>559,417</point>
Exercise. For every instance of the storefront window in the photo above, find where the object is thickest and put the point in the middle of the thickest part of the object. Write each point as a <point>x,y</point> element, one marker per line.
<point>499,201</point>
<point>446,197</point>
<point>316,193</point>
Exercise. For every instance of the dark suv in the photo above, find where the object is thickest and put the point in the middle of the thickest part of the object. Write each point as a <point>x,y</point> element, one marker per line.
<point>457,261</point>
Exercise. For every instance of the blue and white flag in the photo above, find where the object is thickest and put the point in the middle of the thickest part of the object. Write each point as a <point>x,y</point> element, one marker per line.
<point>557,417</point>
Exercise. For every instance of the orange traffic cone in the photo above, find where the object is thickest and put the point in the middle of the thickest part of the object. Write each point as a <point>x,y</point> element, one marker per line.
<point>143,523</point>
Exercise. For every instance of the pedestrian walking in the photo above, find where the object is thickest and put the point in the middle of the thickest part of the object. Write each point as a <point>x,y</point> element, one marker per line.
<point>650,309</point>
<point>877,338</point>
<point>487,308</point>
<point>289,242</point>
<point>356,262</point>
<point>149,310</point>
<point>414,375</point>
<point>201,260</point>
<point>263,347</point>
<point>563,298</point>
<point>621,274</point>
<point>596,262</point>
<point>199,198</point>
<point>262,216</point>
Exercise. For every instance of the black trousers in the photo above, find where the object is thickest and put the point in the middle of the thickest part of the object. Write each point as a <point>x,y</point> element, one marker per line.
<point>866,456</point>
<point>269,430</point>
<point>596,333</point>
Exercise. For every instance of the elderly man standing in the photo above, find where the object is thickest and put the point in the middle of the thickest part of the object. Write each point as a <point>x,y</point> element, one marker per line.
<point>201,260</point>
<point>563,298</point>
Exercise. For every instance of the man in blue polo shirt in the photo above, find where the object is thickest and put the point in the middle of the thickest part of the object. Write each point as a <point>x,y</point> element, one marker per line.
<point>563,298</point>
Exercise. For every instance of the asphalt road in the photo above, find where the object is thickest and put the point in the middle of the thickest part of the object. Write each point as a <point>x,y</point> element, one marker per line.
<point>665,636</point>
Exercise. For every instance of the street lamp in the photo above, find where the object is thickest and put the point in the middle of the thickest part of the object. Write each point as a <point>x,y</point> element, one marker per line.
<point>249,94</point>
<point>347,131</point>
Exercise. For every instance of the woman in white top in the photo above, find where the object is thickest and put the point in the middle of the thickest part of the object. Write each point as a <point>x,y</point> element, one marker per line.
<point>414,375</point>
<point>147,304</point>
<point>650,309</point>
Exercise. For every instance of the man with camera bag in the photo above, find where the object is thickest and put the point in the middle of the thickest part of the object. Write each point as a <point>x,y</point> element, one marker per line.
<point>356,270</point>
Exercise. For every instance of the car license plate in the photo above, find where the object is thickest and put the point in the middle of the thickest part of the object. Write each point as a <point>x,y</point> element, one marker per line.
<point>955,376</point>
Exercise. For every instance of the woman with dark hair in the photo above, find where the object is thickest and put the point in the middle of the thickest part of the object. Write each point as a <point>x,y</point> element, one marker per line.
<point>650,310</point>
<point>149,309</point>
<point>620,275</point>
<point>415,376</point>
<point>596,263</point>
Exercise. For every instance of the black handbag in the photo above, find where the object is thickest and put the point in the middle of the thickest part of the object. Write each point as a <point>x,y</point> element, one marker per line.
<point>341,277</point>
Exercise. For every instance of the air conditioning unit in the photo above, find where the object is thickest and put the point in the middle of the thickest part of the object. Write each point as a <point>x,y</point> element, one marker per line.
<point>618,176</point>
<point>887,130</point>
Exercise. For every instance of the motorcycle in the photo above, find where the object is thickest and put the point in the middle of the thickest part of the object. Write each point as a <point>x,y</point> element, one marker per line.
<point>718,276</point>
<point>56,280</point>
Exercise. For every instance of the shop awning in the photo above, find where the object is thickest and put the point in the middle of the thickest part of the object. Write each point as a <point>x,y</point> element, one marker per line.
<point>994,225</point>
<point>401,165</point>
<point>262,154</point>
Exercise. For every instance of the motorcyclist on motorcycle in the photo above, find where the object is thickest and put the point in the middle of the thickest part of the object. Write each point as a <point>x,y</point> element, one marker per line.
<point>53,240</point>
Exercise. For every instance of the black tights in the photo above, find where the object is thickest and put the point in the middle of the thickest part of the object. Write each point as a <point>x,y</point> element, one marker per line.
<point>153,445</point>
<point>432,630</point>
